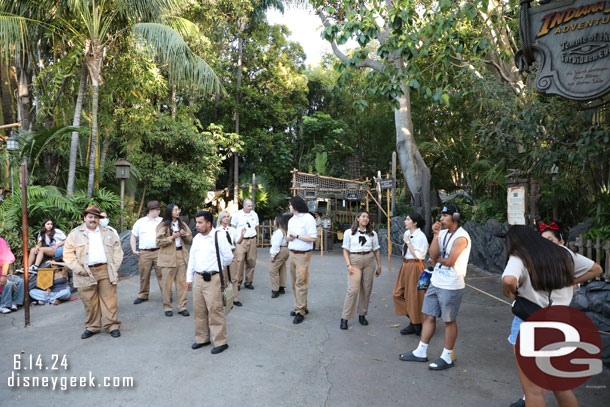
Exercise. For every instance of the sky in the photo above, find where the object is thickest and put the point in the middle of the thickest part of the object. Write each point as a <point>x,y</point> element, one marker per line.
<point>305,27</point>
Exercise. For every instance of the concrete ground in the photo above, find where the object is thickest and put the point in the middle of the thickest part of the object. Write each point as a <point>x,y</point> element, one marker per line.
<point>272,362</point>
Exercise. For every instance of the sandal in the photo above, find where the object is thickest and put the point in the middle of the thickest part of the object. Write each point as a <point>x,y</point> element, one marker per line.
<point>440,364</point>
<point>410,357</point>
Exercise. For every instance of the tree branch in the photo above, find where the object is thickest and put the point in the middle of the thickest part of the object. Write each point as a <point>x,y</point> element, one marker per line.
<point>367,62</point>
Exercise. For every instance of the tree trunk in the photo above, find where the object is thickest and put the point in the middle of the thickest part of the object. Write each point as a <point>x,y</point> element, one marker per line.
<point>76,122</point>
<point>8,83</point>
<point>237,100</point>
<point>174,105</point>
<point>94,106</point>
<point>413,167</point>
<point>24,99</point>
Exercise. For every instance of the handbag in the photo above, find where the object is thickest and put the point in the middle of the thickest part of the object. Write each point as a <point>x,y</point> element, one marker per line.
<point>227,292</point>
<point>424,280</point>
<point>524,308</point>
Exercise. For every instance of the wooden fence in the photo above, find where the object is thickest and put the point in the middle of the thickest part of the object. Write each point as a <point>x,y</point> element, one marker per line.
<point>596,251</point>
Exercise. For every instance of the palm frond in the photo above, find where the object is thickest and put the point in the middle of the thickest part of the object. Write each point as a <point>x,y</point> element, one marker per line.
<point>183,65</point>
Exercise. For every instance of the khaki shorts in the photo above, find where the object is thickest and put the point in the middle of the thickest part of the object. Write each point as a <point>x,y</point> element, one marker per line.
<point>439,302</point>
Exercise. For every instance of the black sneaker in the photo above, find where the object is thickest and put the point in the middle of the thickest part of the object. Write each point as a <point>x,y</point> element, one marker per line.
<point>282,290</point>
<point>275,294</point>
<point>298,318</point>
<point>219,349</point>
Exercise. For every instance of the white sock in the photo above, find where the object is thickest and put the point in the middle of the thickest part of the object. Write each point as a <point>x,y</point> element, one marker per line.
<point>422,350</point>
<point>446,355</point>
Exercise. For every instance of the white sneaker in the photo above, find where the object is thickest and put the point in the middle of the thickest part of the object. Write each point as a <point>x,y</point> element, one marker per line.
<point>5,310</point>
<point>14,307</point>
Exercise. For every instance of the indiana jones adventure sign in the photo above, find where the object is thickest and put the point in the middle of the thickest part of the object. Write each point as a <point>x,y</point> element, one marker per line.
<point>570,40</point>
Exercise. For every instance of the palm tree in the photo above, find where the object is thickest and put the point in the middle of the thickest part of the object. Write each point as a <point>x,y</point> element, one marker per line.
<point>94,26</point>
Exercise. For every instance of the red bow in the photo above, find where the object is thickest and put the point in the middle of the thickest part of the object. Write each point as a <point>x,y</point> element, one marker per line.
<point>543,226</point>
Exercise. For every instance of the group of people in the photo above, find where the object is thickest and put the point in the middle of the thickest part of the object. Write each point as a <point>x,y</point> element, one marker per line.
<point>538,267</point>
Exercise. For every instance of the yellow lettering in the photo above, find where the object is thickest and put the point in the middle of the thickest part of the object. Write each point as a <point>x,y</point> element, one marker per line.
<point>581,26</point>
<point>589,23</point>
<point>566,28</point>
<point>570,14</point>
<point>557,30</point>
<point>545,25</point>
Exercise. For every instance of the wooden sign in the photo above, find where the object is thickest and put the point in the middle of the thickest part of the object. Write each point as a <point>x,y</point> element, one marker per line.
<point>515,214</point>
<point>570,40</point>
<point>388,183</point>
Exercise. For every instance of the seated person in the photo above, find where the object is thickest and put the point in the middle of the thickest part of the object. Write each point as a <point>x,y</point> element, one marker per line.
<point>58,292</point>
<point>50,244</point>
<point>11,286</point>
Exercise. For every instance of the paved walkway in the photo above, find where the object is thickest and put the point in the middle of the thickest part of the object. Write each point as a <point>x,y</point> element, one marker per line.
<point>272,362</point>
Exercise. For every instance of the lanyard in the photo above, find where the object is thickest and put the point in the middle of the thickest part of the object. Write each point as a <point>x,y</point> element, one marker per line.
<point>446,243</point>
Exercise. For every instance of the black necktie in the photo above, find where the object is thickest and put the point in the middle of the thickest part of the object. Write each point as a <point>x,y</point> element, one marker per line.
<point>228,237</point>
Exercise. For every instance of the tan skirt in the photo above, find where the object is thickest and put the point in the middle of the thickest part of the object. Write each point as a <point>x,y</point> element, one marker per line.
<point>408,300</point>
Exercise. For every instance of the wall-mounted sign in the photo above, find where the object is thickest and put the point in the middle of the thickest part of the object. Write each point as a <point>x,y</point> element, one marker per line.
<point>310,194</point>
<point>351,196</point>
<point>570,39</point>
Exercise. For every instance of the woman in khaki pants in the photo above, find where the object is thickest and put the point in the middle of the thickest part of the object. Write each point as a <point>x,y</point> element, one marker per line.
<point>172,235</point>
<point>279,256</point>
<point>360,250</point>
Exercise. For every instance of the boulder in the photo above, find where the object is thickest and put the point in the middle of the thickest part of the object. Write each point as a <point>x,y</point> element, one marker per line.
<point>487,250</point>
<point>594,300</point>
<point>580,229</point>
<point>129,266</point>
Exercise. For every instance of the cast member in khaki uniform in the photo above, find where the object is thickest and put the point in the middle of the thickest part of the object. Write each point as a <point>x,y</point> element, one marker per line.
<point>172,235</point>
<point>360,250</point>
<point>246,221</point>
<point>279,256</point>
<point>233,238</point>
<point>301,236</point>
<point>408,300</point>
<point>94,255</point>
<point>145,229</point>
<point>203,278</point>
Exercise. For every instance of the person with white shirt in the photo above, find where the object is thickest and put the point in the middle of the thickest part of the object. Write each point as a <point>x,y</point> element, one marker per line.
<point>408,299</point>
<point>172,236</point>
<point>279,256</point>
<point>360,250</point>
<point>302,233</point>
<point>105,221</point>
<point>246,221</point>
<point>50,241</point>
<point>203,278</point>
<point>94,255</point>
<point>145,229</point>
<point>234,238</point>
<point>450,250</point>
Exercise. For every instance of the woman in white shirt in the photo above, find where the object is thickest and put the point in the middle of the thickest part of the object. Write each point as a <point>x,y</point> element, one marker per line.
<point>539,271</point>
<point>360,250</point>
<point>279,256</point>
<point>50,244</point>
<point>233,237</point>
<point>408,300</point>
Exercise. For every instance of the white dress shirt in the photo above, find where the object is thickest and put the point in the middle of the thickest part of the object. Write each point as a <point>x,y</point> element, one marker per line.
<point>203,254</point>
<point>233,235</point>
<point>58,237</point>
<point>145,230</point>
<point>302,224</point>
<point>278,240</point>
<point>176,228</point>
<point>361,242</point>
<point>245,220</point>
<point>419,241</point>
<point>97,254</point>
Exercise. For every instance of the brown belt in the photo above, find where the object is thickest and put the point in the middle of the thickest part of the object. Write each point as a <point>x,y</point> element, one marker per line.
<point>179,248</point>
<point>97,265</point>
<point>150,250</point>
<point>412,260</point>
<point>300,251</point>
<point>248,238</point>
<point>360,252</point>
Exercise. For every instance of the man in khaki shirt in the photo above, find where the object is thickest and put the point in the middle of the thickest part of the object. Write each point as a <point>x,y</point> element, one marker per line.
<point>94,254</point>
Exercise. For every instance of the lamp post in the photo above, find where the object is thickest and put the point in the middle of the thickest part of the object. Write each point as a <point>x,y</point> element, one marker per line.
<point>12,145</point>
<point>122,173</point>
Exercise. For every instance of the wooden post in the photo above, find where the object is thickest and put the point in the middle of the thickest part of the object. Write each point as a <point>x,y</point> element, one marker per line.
<point>294,182</point>
<point>321,241</point>
<point>394,177</point>
<point>24,230</point>
<point>122,204</point>
<point>367,195</point>
<point>253,193</point>
<point>379,198</point>
<point>389,220</point>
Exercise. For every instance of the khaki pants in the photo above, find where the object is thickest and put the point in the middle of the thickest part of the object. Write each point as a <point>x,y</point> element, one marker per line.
<point>361,282</point>
<point>100,302</point>
<point>277,269</point>
<point>146,261</point>
<point>233,279</point>
<point>245,255</point>
<point>208,311</point>
<point>408,300</point>
<point>299,270</point>
<point>177,274</point>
